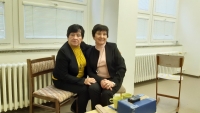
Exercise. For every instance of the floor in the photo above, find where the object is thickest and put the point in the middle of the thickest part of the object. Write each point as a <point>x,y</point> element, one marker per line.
<point>190,96</point>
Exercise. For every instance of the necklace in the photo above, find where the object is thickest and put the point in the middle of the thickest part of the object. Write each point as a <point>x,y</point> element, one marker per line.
<point>100,60</point>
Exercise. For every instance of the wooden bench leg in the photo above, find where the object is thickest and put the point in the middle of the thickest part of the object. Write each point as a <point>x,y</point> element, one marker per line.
<point>57,106</point>
<point>31,105</point>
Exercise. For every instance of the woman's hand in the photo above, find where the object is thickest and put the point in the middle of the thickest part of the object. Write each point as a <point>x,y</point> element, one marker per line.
<point>103,83</point>
<point>89,81</point>
<point>107,84</point>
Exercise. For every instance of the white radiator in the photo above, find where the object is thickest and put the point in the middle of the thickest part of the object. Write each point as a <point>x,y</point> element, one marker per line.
<point>145,67</point>
<point>14,87</point>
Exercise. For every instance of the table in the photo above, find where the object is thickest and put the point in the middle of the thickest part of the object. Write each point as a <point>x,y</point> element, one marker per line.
<point>109,110</point>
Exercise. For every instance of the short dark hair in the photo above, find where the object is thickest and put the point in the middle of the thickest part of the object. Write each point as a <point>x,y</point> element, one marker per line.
<point>74,28</point>
<point>99,27</point>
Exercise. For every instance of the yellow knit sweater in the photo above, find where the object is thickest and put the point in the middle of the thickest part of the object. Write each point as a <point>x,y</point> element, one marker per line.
<point>80,58</point>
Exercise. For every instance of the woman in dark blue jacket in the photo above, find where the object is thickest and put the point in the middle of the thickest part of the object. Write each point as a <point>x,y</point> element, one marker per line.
<point>106,65</point>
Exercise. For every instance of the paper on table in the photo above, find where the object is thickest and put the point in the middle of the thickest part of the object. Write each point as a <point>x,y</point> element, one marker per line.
<point>169,76</point>
<point>100,109</point>
<point>144,97</point>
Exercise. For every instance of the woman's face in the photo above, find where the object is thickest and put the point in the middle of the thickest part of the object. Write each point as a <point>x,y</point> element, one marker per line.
<point>75,39</point>
<point>100,37</point>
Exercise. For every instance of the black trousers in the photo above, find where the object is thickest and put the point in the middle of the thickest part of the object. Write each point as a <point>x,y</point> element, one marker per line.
<point>81,90</point>
<point>101,96</point>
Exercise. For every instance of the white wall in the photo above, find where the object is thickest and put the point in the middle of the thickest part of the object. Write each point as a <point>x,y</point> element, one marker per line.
<point>104,12</point>
<point>127,24</point>
<point>111,18</point>
<point>21,56</point>
<point>189,33</point>
<point>96,17</point>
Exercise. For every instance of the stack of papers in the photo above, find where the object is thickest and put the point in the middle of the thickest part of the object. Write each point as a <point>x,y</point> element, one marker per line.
<point>169,76</point>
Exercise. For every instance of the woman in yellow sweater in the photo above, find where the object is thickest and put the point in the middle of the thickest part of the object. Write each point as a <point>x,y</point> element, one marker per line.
<point>69,73</point>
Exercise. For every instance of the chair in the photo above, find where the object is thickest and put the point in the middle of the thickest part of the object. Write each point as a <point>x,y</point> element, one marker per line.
<point>39,67</point>
<point>169,61</point>
<point>121,90</point>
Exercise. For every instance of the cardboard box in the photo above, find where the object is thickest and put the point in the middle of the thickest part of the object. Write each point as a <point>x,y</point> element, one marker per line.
<point>147,105</point>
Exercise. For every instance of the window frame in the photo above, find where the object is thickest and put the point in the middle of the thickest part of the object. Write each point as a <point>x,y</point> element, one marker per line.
<point>149,27</point>
<point>58,4</point>
<point>148,11</point>
<point>7,22</point>
<point>154,15</point>
<point>163,19</point>
<point>73,1</point>
<point>166,15</point>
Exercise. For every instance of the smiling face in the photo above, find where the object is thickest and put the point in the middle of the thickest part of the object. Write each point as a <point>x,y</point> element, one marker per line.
<point>75,39</point>
<point>100,37</point>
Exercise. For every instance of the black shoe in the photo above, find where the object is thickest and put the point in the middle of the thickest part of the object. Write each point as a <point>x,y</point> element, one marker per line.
<point>73,106</point>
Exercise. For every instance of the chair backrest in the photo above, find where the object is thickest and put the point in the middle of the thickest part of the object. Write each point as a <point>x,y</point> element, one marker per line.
<point>38,67</point>
<point>169,60</point>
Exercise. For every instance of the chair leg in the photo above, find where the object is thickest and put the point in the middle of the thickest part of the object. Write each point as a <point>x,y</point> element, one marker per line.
<point>177,109</point>
<point>157,90</point>
<point>31,105</point>
<point>179,94</point>
<point>158,99</point>
<point>57,104</point>
<point>77,105</point>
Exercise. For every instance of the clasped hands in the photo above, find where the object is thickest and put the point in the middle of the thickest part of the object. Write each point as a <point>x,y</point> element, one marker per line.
<point>89,81</point>
<point>107,84</point>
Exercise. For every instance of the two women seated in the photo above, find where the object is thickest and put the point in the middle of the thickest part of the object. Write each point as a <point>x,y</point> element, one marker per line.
<point>103,64</point>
